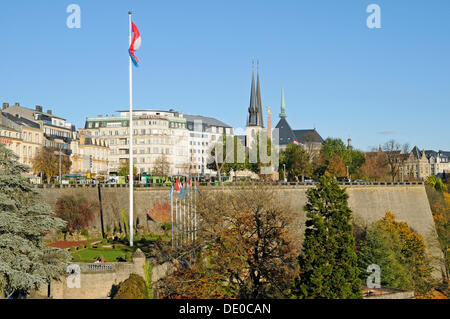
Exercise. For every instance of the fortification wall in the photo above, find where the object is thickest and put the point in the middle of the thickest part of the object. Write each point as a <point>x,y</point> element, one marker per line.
<point>369,203</point>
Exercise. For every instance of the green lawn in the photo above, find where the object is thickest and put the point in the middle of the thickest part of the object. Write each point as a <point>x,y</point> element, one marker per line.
<point>121,249</point>
<point>109,254</point>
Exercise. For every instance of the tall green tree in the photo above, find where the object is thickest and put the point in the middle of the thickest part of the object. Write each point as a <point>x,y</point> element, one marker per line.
<point>328,262</point>
<point>25,263</point>
<point>124,169</point>
<point>297,161</point>
<point>254,161</point>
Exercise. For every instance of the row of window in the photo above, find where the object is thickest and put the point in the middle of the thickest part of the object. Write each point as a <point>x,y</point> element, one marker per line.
<point>51,131</point>
<point>26,137</point>
<point>137,123</point>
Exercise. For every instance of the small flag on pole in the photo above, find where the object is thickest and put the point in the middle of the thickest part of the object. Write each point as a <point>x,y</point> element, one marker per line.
<point>135,44</point>
<point>196,188</point>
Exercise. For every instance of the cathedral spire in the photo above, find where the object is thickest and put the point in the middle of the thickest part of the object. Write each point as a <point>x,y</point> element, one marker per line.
<point>252,107</point>
<point>259,117</point>
<point>283,107</point>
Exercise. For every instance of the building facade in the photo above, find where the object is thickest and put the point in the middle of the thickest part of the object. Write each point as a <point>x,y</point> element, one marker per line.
<point>422,164</point>
<point>156,134</point>
<point>89,155</point>
<point>204,132</point>
<point>25,137</point>
<point>57,132</point>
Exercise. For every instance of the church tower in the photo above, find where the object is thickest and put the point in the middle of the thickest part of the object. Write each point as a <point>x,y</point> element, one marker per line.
<point>255,115</point>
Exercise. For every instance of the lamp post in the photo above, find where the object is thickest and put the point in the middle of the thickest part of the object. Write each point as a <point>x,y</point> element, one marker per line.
<point>284,172</point>
<point>60,175</point>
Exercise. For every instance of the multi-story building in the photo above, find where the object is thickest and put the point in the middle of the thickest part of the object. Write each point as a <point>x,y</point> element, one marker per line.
<point>422,164</point>
<point>156,134</point>
<point>57,132</point>
<point>10,135</point>
<point>203,134</point>
<point>29,135</point>
<point>89,155</point>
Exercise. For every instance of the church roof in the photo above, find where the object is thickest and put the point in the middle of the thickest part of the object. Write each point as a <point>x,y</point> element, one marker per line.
<point>287,135</point>
<point>308,136</point>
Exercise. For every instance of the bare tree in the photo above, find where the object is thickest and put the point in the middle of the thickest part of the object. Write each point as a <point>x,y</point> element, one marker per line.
<point>248,250</point>
<point>161,166</point>
<point>396,156</point>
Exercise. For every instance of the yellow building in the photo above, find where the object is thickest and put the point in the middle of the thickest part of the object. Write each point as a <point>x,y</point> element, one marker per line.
<point>23,136</point>
<point>89,155</point>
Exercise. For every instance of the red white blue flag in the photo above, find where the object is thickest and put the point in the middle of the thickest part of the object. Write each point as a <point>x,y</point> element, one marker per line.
<point>135,44</point>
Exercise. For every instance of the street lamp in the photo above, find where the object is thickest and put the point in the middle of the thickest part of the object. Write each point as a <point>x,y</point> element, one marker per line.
<point>284,170</point>
<point>60,175</point>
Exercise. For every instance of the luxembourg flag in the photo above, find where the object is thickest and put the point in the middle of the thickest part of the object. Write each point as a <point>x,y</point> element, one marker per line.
<point>135,44</point>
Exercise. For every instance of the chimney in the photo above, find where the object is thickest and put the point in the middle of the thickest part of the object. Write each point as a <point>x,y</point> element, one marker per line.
<point>49,112</point>
<point>5,106</point>
<point>38,108</point>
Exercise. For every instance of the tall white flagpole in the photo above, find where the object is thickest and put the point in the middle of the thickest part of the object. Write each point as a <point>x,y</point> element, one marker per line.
<point>171,211</point>
<point>131,177</point>
<point>177,220</point>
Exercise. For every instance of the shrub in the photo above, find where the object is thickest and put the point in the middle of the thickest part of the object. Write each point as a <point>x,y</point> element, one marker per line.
<point>436,183</point>
<point>73,249</point>
<point>88,245</point>
<point>399,251</point>
<point>85,233</point>
<point>167,226</point>
<point>132,288</point>
<point>76,211</point>
<point>80,247</point>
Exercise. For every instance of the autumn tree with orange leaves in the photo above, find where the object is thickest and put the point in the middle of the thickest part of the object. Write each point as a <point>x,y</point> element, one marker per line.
<point>247,251</point>
<point>336,167</point>
<point>375,167</point>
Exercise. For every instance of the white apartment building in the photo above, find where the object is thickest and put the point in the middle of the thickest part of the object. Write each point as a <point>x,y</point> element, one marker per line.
<point>156,133</point>
<point>203,135</point>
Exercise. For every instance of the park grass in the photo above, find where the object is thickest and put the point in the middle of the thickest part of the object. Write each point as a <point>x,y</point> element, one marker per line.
<point>109,254</point>
<point>121,249</point>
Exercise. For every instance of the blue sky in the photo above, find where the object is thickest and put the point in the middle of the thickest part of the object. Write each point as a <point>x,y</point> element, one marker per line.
<point>339,76</point>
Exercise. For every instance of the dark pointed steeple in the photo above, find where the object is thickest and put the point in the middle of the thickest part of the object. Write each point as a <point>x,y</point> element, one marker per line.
<point>255,109</point>
<point>252,108</point>
<point>258,100</point>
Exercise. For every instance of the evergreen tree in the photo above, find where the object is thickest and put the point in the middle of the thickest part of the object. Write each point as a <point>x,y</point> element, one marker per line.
<point>25,263</point>
<point>328,262</point>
